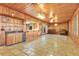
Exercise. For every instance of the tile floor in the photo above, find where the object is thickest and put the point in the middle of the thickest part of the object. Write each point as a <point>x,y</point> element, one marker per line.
<point>46,45</point>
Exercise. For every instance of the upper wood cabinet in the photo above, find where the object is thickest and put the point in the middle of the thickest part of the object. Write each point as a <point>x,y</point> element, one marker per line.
<point>10,12</point>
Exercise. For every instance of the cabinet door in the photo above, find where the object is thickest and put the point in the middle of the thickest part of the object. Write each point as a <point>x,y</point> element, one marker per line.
<point>9,39</point>
<point>2,38</point>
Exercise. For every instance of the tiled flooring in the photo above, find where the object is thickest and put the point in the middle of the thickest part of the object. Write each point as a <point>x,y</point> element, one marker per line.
<point>46,45</point>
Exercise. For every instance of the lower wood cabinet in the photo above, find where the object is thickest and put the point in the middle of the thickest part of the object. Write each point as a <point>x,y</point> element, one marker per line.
<point>14,37</point>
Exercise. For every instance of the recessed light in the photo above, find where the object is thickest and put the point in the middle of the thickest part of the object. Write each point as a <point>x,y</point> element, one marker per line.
<point>12,14</point>
<point>55,24</point>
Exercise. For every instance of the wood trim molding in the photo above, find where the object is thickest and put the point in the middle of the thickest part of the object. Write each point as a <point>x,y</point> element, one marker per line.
<point>74,13</point>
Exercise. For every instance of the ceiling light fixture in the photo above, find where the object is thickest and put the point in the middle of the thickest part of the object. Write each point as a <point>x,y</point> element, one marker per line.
<point>41,16</point>
<point>12,14</point>
<point>51,14</point>
<point>41,7</point>
<point>56,17</point>
<point>55,24</point>
<point>52,20</point>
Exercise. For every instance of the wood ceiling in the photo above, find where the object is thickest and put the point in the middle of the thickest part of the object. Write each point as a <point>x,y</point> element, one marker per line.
<point>63,11</point>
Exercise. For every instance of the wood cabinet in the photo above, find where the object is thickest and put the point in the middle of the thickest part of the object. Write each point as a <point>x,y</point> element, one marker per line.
<point>2,38</point>
<point>14,37</point>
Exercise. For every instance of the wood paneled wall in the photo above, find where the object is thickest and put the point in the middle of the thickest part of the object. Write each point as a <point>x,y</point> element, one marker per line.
<point>72,33</point>
<point>72,23</point>
<point>59,26</point>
